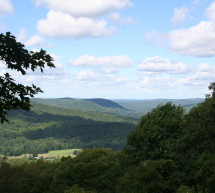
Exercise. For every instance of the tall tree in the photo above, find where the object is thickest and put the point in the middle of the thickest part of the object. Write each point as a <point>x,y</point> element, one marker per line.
<point>156,135</point>
<point>14,55</point>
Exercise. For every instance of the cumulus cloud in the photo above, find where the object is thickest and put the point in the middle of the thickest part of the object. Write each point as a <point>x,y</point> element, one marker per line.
<point>210,11</point>
<point>118,19</point>
<point>113,61</point>
<point>5,7</point>
<point>180,15</point>
<point>162,65</point>
<point>85,8</point>
<point>197,41</point>
<point>204,67</point>
<point>35,41</point>
<point>99,80</point>
<point>60,25</point>
<point>203,74</point>
<point>83,18</point>
<point>198,79</point>
<point>87,75</point>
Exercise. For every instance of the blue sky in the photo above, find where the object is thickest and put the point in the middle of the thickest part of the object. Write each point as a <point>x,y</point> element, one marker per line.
<point>117,49</point>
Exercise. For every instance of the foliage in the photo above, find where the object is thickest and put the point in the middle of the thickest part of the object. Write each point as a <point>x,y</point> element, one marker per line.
<point>52,128</point>
<point>168,152</point>
<point>93,169</point>
<point>185,189</point>
<point>156,135</point>
<point>16,57</point>
<point>76,189</point>
<point>157,176</point>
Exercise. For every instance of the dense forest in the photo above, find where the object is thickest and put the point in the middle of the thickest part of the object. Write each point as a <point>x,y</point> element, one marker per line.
<point>66,123</point>
<point>48,128</point>
<point>169,151</point>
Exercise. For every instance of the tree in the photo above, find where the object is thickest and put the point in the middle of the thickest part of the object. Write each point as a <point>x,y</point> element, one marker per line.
<point>199,132</point>
<point>94,170</point>
<point>153,176</point>
<point>156,135</point>
<point>14,55</point>
<point>196,148</point>
<point>211,87</point>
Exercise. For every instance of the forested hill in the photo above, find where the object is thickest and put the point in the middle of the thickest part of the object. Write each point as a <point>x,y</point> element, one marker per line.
<point>141,107</point>
<point>106,103</point>
<point>92,105</point>
<point>128,108</point>
<point>53,128</point>
<point>55,124</point>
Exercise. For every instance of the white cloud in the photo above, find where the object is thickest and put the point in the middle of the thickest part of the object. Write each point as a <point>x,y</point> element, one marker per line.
<point>210,11</point>
<point>162,65</point>
<point>196,2</point>
<point>197,41</point>
<point>202,75</point>
<point>62,25</point>
<point>119,79</point>
<point>5,7</point>
<point>198,79</point>
<point>85,8</point>
<point>22,35</point>
<point>180,15</point>
<point>118,19</point>
<point>36,41</point>
<point>87,75</point>
<point>204,67</point>
<point>113,61</point>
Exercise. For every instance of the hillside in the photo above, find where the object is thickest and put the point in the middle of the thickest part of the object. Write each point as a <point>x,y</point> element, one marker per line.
<point>140,107</point>
<point>55,124</point>
<point>48,128</point>
<point>106,103</point>
<point>90,105</point>
<point>129,108</point>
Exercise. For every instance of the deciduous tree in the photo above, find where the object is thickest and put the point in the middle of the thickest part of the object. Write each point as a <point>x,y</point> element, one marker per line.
<point>15,57</point>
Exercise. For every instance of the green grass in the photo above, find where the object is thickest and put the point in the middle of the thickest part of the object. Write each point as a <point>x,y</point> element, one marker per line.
<point>61,153</point>
<point>22,159</point>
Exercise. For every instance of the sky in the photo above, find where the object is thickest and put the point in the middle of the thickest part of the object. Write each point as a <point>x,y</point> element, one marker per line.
<point>116,49</point>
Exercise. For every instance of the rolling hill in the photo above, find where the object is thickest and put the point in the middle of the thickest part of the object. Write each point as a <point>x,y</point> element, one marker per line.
<point>48,128</point>
<point>128,108</point>
<point>55,124</point>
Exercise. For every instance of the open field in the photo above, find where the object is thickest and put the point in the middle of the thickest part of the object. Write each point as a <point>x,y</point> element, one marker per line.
<point>61,153</point>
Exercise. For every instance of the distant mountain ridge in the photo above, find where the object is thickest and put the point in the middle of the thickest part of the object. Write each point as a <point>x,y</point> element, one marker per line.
<point>106,103</point>
<point>123,107</point>
<point>76,123</point>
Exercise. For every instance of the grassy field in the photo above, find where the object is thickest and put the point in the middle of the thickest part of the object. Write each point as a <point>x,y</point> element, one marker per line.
<point>26,158</point>
<point>61,153</point>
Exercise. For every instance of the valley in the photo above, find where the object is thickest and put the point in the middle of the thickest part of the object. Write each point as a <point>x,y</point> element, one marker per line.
<point>66,123</point>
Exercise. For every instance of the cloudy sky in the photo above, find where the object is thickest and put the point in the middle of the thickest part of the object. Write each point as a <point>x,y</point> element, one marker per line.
<point>117,49</point>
